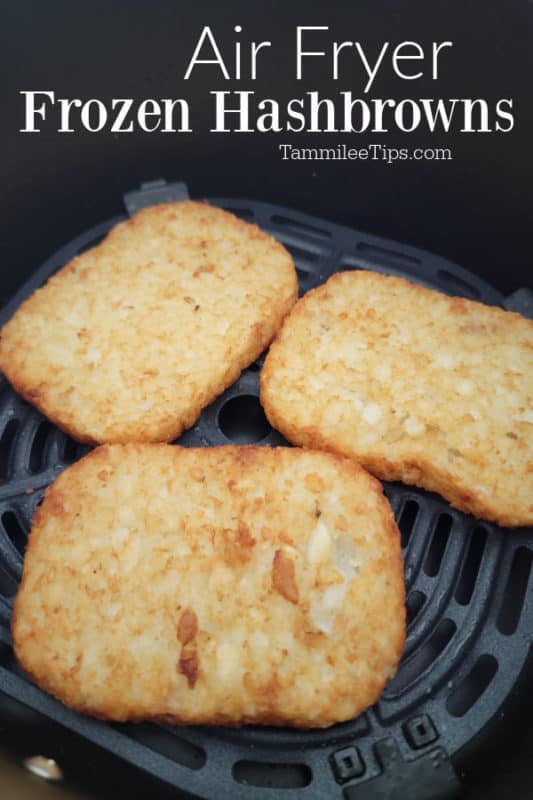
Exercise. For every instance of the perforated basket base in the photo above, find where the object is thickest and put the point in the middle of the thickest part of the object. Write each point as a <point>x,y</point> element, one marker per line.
<point>470,610</point>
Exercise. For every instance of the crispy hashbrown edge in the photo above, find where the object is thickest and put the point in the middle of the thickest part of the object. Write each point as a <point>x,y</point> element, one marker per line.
<point>244,455</point>
<point>170,427</point>
<point>419,471</point>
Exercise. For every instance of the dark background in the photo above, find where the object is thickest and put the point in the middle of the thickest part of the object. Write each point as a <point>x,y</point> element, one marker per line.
<point>476,209</point>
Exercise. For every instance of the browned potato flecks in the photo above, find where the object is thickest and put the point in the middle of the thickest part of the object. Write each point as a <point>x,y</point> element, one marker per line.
<point>431,390</point>
<point>133,338</point>
<point>219,585</point>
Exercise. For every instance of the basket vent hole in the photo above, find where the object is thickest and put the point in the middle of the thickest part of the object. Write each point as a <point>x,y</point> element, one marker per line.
<point>386,253</point>
<point>305,281</point>
<point>300,227</point>
<point>165,742</point>
<point>303,274</point>
<point>414,603</point>
<point>452,283</point>
<point>407,520</point>
<point>5,654</point>
<point>302,257</point>
<point>14,530</point>
<point>438,544</point>
<point>471,565</point>
<point>38,447</point>
<point>69,450</point>
<point>242,213</point>
<point>8,585</point>
<point>424,657</point>
<point>515,591</point>
<point>468,692</point>
<point>272,776</point>
<point>6,444</point>
<point>242,420</point>
<point>257,365</point>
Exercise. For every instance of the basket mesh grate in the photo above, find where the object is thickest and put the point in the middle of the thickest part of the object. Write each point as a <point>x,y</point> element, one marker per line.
<point>469,600</point>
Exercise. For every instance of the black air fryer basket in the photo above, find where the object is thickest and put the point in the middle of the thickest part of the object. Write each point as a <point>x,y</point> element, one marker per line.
<point>469,585</point>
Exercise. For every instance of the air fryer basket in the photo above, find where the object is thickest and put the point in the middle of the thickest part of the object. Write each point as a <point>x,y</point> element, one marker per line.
<point>469,598</point>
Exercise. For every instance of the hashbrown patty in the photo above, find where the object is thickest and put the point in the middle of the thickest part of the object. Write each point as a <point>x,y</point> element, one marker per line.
<point>416,386</point>
<point>133,338</point>
<point>224,585</point>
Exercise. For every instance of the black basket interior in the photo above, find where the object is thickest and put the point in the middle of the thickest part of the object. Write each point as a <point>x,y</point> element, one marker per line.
<point>469,601</point>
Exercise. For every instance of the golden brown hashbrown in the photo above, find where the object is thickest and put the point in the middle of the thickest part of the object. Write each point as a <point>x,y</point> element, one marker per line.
<point>221,585</point>
<point>416,386</point>
<point>133,338</point>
